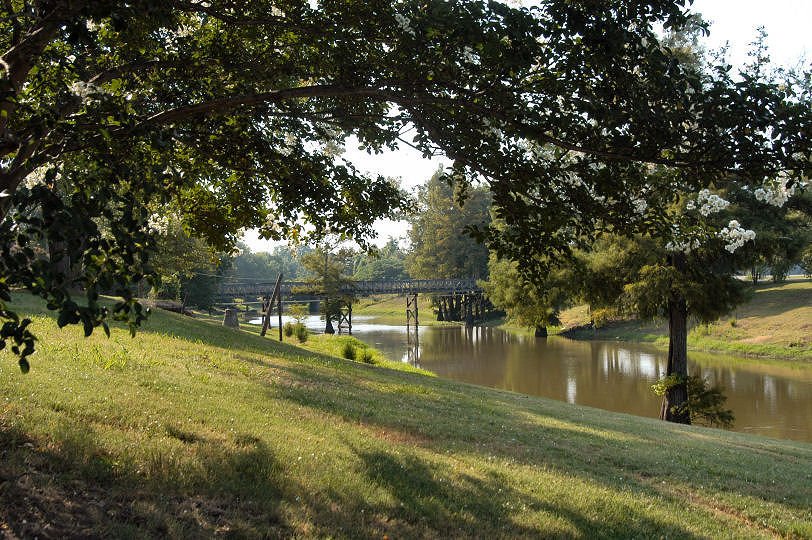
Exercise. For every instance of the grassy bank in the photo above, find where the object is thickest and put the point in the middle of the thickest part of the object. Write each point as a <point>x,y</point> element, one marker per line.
<point>775,322</point>
<point>191,430</point>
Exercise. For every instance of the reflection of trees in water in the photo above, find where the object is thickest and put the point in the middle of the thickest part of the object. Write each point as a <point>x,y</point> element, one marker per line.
<point>612,376</point>
<point>758,399</point>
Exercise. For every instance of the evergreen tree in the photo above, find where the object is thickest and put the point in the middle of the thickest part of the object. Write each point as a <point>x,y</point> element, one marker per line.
<point>440,245</point>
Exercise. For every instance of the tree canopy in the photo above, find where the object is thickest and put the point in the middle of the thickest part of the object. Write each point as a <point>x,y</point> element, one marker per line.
<point>237,111</point>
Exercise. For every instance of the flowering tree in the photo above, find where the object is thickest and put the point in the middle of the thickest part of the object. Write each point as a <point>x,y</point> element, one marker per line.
<point>237,110</point>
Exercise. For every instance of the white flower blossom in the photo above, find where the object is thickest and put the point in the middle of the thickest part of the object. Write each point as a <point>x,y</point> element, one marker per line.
<point>85,90</point>
<point>685,246</point>
<point>91,25</point>
<point>405,24</point>
<point>709,203</point>
<point>736,236</point>
<point>158,224</point>
<point>776,192</point>
<point>469,55</point>
<point>640,205</point>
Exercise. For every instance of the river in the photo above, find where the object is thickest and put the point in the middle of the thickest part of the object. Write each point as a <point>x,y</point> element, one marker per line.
<point>768,398</point>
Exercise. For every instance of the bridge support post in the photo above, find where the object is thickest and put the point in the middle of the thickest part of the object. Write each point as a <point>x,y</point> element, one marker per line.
<point>345,319</point>
<point>411,310</point>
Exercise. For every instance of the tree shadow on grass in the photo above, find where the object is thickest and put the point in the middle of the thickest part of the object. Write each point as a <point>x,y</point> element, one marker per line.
<point>604,450</point>
<point>776,301</point>
<point>71,487</point>
<point>423,501</point>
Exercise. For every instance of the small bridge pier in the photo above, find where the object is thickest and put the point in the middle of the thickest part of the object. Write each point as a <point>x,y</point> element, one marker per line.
<point>345,319</point>
<point>468,307</point>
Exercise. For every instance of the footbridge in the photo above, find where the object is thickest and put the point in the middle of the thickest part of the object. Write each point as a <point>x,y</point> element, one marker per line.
<point>302,290</point>
<point>455,299</point>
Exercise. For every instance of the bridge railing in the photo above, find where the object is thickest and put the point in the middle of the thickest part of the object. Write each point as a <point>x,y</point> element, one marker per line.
<point>357,288</point>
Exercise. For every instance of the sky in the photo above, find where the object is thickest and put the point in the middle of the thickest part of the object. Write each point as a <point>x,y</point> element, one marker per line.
<point>733,22</point>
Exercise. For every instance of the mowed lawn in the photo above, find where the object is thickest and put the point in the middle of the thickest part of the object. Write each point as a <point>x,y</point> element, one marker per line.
<point>194,430</point>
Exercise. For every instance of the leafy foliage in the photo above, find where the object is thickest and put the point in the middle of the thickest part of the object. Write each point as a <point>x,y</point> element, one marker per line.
<point>386,263</point>
<point>536,303</point>
<point>440,246</point>
<point>237,112</point>
<point>330,279</point>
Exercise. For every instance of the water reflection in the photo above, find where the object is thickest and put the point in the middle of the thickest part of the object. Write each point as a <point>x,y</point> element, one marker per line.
<point>767,399</point>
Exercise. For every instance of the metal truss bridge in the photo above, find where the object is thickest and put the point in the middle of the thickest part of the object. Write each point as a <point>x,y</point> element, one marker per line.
<point>294,289</point>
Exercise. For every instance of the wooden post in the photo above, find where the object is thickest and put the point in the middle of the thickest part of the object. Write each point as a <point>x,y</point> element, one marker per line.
<point>266,320</point>
<point>279,306</point>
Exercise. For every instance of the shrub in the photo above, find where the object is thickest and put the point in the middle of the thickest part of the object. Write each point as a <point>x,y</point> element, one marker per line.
<point>288,329</point>
<point>299,312</point>
<point>348,351</point>
<point>301,332</point>
<point>705,402</point>
<point>366,357</point>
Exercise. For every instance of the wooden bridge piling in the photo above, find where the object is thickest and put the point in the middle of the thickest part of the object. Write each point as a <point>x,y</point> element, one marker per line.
<point>411,311</point>
<point>345,319</point>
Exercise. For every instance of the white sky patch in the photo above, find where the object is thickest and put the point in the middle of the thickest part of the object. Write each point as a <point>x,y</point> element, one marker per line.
<point>736,21</point>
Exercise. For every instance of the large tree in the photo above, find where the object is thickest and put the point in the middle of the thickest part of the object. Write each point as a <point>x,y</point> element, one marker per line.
<point>440,244</point>
<point>236,110</point>
<point>331,278</point>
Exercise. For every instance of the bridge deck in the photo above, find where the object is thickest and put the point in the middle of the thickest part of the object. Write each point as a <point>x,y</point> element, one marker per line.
<point>357,288</point>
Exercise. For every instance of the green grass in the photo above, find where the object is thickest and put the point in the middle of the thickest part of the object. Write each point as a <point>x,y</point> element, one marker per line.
<point>195,430</point>
<point>776,322</point>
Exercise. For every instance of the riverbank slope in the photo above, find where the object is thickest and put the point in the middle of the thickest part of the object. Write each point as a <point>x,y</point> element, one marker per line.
<point>775,322</point>
<point>192,429</point>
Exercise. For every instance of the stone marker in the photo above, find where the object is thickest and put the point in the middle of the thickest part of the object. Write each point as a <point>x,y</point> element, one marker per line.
<point>230,319</point>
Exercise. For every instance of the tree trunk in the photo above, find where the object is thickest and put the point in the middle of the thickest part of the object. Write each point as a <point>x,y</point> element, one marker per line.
<point>674,406</point>
<point>541,331</point>
<point>328,325</point>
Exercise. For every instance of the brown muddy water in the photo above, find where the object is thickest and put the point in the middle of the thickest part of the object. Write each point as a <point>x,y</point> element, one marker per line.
<point>768,398</point>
